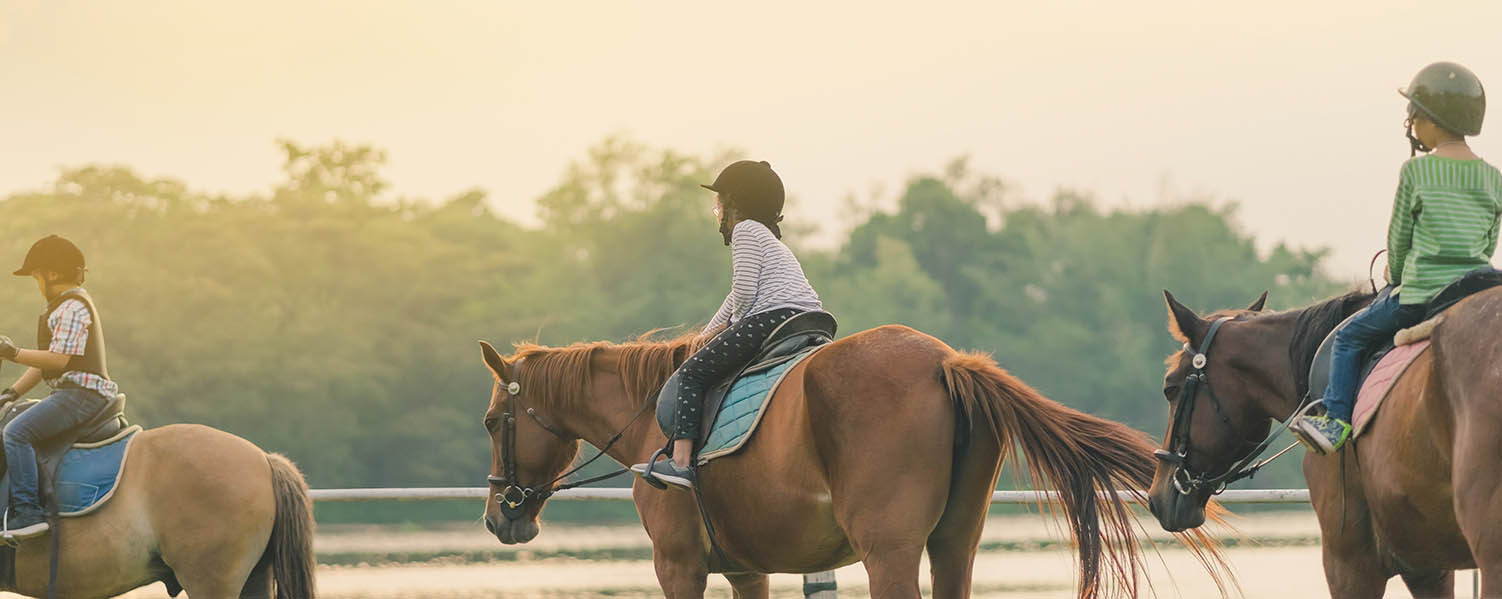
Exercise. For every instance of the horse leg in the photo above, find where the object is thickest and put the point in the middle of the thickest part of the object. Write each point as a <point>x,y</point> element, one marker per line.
<point>749,586</point>
<point>951,547</point>
<point>258,585</point>
<point>889,520</point>
<point>679,579</point>
<point>1353,567</point>
<point>1439,584</point>
<point>1477,508</point>
<point>893,570</point>
<point>1353,574</point>
<point>219,567</point>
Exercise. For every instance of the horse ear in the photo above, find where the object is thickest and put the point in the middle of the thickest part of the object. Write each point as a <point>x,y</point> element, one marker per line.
<point>1183,323</point>
<point>1257,305</point>
<point>493,360</point>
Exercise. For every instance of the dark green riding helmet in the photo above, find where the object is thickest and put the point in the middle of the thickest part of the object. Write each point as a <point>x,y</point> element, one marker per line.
<point>1450,95</point>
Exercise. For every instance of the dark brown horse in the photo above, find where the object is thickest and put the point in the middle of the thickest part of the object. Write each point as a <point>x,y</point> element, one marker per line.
<point>1418,495</point>
<point>880,446</point>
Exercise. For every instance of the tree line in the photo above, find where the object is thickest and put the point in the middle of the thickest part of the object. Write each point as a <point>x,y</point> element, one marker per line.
<point>334,321</point>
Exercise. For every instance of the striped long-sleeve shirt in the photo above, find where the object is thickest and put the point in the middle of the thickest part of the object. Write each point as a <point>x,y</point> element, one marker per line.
<point>765,276</point>
<point>1444,224</point>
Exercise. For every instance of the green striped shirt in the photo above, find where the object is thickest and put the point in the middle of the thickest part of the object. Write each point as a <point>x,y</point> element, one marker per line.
<point>1444,224</point>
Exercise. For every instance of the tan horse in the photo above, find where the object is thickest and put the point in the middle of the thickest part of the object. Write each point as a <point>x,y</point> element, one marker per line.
<point>880,446</point>
<point>1417,495</point>
<point>194,506</point>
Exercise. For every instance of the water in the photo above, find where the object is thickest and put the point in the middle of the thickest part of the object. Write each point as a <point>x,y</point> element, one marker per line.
<point>1275,558</point>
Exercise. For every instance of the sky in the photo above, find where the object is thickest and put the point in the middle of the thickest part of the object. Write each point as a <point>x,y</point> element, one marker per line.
<point>1286,108</point>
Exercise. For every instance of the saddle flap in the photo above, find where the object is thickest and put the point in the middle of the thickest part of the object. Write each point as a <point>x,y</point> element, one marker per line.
<point>796,334</point>
<point>1324,357</point>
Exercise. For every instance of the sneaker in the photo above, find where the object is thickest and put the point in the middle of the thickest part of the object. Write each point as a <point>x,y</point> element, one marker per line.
<point>666,471</point>
<point>1322,434</point>
<point>23,527</point>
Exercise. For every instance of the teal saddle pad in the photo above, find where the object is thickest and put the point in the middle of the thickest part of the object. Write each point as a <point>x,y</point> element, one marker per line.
<point>741,410</point>
<point>86,477</point>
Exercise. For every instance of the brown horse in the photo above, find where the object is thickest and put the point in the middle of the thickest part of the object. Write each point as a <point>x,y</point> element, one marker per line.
<point>880,446</point>
<point>194,507</point>
<point>1415,496</point>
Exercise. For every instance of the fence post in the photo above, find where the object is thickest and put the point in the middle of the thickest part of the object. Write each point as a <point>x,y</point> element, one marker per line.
<point>819,585</point>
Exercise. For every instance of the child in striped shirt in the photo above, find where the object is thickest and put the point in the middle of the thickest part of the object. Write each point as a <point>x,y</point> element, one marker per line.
<point>767,288</point>
<point>1444,225</point>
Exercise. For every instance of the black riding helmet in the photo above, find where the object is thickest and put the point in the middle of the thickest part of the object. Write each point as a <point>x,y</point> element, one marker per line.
<point>1448,94</point>
<point>55,254</point>
<point>753,190</point>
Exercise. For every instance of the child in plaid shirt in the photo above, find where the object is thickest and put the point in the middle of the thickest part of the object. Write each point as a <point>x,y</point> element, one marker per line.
<point>72,363</point>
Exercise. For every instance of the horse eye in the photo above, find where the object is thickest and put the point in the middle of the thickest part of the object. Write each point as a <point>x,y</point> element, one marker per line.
<point>1170,392</point>
<point>490,424</point>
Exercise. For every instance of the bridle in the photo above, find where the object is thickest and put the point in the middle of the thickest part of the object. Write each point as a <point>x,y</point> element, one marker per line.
<point>1185,480</point>
<point>514,496</point>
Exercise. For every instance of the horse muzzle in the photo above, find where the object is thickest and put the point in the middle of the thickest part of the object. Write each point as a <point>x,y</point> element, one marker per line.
<point>1175,511</point>
<point>512,532</point>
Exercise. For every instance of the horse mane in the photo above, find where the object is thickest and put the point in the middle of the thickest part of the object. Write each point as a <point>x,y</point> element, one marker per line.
<point>1310,329</point>
<point>560,376</point>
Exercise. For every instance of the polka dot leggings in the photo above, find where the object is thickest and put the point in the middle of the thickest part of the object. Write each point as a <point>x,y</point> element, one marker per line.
<point>725,355</point>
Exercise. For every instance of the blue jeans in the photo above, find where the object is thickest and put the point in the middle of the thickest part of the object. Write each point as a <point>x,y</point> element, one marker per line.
<point>1371,327</point>
<point>64,409</point>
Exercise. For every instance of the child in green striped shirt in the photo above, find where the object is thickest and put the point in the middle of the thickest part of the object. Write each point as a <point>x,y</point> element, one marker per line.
<point>1444,225</point>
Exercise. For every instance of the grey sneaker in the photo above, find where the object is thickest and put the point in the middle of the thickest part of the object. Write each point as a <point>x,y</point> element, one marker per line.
<point>1322,434</point>
<point>666,471</point>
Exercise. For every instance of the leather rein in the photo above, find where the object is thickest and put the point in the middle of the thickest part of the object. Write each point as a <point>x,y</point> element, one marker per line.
<point>514,496</point>
<point>1185,480</point>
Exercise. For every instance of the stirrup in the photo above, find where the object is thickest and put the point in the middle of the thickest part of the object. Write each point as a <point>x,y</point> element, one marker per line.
<point>1298,432</point>
<point>650,476</point>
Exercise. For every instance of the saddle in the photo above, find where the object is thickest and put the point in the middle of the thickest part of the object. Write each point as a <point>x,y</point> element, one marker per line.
<point>787,341</point>
<point>1471,284</point>
<point>105,425</point>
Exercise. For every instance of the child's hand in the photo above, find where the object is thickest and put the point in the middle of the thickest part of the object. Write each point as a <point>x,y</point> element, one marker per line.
<point>8,349</point>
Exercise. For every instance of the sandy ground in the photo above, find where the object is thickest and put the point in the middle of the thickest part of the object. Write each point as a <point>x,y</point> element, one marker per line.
<point>1264,572</point>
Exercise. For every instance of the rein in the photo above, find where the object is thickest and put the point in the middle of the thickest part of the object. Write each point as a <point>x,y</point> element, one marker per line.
<point>513,497</point>
<point>1185,480</point>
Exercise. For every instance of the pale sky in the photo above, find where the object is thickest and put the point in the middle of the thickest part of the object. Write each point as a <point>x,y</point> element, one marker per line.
<point>1286,107</point>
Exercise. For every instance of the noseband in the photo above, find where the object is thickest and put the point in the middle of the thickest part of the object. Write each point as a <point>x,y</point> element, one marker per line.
<point>1185,480</point>
<point>514,496</point>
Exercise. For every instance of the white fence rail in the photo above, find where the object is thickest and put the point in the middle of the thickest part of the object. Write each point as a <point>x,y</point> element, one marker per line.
<point>816,586</point>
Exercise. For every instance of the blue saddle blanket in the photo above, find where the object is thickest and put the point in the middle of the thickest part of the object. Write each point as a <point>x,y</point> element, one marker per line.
<point>88,476</point>
<point>741,410</point>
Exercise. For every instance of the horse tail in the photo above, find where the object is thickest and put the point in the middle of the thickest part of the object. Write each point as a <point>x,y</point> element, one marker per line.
<point>291,546</point>
<point>1085,459</point>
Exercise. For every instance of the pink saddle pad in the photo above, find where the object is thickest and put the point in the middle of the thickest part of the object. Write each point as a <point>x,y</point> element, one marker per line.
<point>1383,376</point>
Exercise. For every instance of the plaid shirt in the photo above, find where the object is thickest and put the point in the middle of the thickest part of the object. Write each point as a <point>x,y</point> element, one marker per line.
<point>70,335</point>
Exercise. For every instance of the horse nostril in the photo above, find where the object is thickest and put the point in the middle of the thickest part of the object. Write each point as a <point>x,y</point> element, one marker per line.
<point>489,525</point>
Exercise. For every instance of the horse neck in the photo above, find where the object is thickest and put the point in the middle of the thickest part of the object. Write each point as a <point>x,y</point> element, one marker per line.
<point>1274,373</point>
<point>609,411</point>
